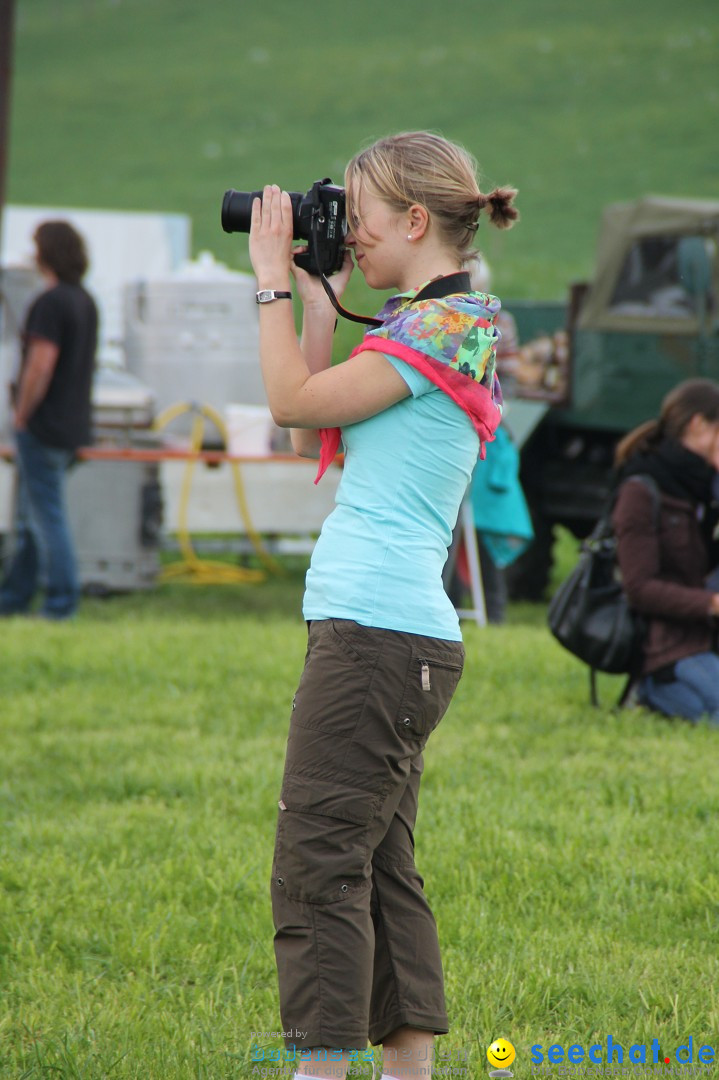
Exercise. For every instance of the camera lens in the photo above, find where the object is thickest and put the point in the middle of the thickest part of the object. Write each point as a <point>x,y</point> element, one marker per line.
<point>237,210</point>
<point>318,217</point>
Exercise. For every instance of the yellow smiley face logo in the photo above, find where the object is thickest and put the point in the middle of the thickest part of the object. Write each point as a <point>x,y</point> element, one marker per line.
<point>501,1053</point>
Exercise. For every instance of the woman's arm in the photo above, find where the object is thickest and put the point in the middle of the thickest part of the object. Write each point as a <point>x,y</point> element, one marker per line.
<point>352,391</point>
<point>318,322</point>
<point>639,556</point>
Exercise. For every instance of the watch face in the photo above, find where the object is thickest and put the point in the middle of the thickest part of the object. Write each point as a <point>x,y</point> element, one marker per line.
<point>265,296</point>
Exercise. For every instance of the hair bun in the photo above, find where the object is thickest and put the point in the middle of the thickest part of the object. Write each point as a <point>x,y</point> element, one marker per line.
<point>501,211</point>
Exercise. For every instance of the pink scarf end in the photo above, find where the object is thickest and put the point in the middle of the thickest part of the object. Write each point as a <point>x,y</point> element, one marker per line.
<point>330,439</point>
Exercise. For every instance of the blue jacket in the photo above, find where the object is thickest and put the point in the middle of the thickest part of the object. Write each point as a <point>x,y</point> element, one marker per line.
<point>499,508</point>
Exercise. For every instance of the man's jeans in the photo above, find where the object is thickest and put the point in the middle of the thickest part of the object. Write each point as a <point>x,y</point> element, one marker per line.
<point>694,692</point>
<point>43,551</point>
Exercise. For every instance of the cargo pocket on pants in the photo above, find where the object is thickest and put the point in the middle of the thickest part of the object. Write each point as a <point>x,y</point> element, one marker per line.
<point>432,679</point>
<point>322,849</point>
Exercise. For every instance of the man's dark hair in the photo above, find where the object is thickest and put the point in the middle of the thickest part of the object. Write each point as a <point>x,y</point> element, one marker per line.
<point>61,249</point>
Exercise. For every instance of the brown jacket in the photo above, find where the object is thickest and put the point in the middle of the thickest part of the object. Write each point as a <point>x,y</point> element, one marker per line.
<point>664,564</point>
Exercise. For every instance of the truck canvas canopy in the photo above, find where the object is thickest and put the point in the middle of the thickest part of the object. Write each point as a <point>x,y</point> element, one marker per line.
<point>656,268</point>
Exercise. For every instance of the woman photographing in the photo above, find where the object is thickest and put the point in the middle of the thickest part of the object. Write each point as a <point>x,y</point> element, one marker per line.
<point>356,943</point>
<point>667,552</point>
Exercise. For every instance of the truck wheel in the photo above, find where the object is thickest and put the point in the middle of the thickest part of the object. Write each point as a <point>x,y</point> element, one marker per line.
<point>528,576</point>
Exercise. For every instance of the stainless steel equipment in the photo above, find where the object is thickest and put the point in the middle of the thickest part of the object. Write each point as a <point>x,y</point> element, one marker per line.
<point>19,285</point>
<point>193,337</point>
<point>115,506</point>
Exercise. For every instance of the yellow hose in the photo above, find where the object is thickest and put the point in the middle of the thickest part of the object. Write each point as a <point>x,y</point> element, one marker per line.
<point>190,568</point>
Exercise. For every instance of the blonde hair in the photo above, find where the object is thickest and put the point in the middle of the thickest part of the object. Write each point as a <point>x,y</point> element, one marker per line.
<point>421,167</point>
<point>480,276</point>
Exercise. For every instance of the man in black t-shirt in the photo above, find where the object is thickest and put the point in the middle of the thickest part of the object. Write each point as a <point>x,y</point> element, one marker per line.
<point>51,416</point>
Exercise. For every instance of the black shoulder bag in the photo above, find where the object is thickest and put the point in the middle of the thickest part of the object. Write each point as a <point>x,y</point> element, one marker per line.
<point>589,614</point>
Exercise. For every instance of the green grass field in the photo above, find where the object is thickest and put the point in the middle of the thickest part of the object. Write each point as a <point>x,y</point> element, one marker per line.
<point>569,853</point>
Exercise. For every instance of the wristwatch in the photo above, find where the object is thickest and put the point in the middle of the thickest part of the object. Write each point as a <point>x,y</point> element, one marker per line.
<point>266,296</point>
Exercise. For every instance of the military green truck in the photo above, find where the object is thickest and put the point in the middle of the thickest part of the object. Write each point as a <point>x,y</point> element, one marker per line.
<point>595,366</point>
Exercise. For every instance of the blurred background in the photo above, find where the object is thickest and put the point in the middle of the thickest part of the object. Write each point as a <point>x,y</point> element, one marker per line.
<point>163,104</point>
<point>156,107</point>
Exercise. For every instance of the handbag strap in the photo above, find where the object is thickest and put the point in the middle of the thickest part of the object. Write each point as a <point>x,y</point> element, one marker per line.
<point>602,531</point>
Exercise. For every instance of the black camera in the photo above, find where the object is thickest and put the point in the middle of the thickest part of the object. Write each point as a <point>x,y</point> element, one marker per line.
<point>317,217</point>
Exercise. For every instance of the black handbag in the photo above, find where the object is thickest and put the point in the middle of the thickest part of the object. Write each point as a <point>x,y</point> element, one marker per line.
<point>589,613</point>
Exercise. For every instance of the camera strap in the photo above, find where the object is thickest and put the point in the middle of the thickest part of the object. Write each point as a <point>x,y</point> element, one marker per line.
<point>368,320</point>
<point>458,282</point>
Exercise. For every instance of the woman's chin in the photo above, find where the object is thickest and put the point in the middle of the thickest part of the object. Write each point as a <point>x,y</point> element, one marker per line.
<point>376,281</point>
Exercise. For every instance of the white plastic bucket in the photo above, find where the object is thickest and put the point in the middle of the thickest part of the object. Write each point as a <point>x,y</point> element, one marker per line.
<point>249,430</point>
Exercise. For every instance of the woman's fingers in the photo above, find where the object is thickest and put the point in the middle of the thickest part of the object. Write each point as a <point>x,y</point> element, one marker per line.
<point>271,235</point>
<point>267,207</point>
<point>274,206</point>
<point>275,210</point>
<point>256,217</point>
<point>286,208</point>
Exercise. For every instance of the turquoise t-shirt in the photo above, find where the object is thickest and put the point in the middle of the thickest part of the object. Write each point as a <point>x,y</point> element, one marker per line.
<point>380,554</point>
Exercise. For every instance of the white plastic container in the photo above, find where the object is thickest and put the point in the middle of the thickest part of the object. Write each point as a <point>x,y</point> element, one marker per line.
<point>250,429</point>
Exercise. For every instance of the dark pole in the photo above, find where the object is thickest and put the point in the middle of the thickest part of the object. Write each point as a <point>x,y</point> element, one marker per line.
<point>7,21</point>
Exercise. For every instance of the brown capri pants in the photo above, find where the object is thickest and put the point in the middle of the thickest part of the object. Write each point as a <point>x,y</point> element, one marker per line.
<point>355,940</point>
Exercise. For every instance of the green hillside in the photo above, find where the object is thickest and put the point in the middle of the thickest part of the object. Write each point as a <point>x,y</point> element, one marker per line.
<point>163,104</point>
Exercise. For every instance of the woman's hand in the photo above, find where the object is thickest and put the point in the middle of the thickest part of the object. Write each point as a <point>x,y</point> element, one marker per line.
<point>714,605</point>
<point>312,291</point>
<point>271,238</point>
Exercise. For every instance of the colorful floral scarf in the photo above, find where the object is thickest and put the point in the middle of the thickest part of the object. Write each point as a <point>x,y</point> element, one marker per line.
<point>452,340</point>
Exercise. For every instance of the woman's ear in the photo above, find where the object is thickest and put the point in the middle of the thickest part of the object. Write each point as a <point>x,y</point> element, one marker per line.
<point>417,221</point>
